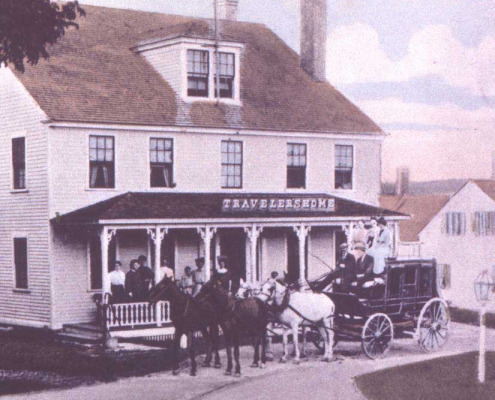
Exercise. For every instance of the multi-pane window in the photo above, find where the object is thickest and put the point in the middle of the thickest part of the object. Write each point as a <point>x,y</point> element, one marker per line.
<point>484,223</point>
<point>19,162</point>
<point>226,71</point>
<point>21,263</point>
<point>455,223</point>
<point>197,73</point>
<point>231,164</point>
<point>161,162</point>
<point>344,162</point>
<point>101,162</point>
<point>296,165</point>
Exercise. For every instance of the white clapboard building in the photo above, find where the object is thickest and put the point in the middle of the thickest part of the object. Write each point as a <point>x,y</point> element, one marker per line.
<point>118,146</point>
<point>457,229</point>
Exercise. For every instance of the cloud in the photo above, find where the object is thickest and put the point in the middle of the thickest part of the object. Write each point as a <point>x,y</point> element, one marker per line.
<point>390,111</point>
<point>356,55</point>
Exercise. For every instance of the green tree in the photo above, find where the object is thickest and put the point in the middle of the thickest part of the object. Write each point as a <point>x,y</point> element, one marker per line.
<point>28,27</point>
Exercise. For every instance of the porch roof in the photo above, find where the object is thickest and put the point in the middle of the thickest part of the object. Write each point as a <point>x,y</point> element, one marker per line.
<point>140,207</point>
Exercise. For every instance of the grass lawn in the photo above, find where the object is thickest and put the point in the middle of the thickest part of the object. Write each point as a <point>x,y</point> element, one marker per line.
<point>452,378</point>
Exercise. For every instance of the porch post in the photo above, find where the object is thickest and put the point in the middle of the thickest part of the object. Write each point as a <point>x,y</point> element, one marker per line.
<point>105,237</point>
<point>302,233</point>
<point>157,235</point>
<point>206,234</point>
<point>253,234</point>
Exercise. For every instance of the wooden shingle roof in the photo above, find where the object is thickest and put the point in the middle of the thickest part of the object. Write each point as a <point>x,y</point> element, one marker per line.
<point>94,76</point>
<point>176,206</point>
<point>421,208</point>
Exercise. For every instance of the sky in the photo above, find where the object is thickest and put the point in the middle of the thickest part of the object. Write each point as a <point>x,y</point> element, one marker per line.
<point>424,70</point>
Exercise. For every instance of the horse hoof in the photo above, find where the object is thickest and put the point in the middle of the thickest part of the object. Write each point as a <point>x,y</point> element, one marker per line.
<point>296,362</point>
<point>254,365</point>
<point>282,361</point>
<point>217,366</point>
<point>176,372</point>
<point>192,373</point>
<point>206,365</point>
<point>228,373</point>
<point>328,359</point>
<point>262,366</point>
<point>237,375</point>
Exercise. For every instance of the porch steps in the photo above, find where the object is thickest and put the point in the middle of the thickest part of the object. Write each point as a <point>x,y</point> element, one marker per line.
<point>86,334</point>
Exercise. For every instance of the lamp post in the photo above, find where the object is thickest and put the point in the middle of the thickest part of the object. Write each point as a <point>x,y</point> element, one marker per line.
<point>483,288</point>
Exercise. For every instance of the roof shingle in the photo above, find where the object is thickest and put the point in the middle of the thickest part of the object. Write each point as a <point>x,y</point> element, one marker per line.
<point>94,76</point>
<point>422,209</point>
<point>145,206</point>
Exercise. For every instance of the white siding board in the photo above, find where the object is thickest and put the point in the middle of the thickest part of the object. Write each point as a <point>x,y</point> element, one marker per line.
<point>24,212</point>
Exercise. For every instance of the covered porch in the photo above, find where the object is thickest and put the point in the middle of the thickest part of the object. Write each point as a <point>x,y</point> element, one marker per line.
<point>259,233</point>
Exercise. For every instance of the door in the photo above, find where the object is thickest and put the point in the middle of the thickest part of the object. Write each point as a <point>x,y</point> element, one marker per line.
<point>233,246</point>
<point>292,257</point>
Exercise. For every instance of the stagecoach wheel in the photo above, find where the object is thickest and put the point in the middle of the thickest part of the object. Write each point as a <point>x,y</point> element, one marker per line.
<point>320,343</point>
<point>433,325</point>
<point>377,335</point>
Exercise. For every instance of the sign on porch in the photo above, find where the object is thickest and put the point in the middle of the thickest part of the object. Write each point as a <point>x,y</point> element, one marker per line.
<point>277,204</point>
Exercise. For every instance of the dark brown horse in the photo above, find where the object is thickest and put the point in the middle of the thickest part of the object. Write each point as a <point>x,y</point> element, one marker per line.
<point>245,316</point>
<point>188,316</point>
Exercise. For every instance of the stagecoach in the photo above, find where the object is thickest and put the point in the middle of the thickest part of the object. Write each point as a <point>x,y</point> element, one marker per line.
<point>404,302</point>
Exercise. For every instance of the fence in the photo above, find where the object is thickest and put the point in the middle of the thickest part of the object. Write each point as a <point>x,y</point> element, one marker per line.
<point>138,314</point>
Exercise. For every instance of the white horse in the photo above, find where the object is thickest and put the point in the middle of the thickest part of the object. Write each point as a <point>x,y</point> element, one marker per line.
<point>304,310</point>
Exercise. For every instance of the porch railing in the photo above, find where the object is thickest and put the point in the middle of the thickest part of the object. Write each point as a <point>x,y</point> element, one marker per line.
<point>129,315</point>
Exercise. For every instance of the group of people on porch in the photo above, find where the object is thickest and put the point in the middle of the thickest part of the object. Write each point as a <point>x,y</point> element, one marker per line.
<point>135,285</point>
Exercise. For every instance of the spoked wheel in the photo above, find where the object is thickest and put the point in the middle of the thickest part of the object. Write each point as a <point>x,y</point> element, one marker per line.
<point>377,335</point>
<point>320,343</point>
<point>433,325</point>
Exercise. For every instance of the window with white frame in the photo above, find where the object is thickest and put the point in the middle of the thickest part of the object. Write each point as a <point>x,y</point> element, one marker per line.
<point>19,162</point>
<point>484,223</point>
<point>101,162</point>
<point>454,223</point>
<point>296,165</point>
<point>344,165</point>
<point>21,262</point>
<point>161,162</point>
<point>231,164</point>
<point>227,75</point>
<point>197,73</point>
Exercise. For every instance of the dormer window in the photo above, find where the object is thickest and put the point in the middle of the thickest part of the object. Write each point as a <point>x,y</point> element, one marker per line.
<point>227,75</point>
<point>197,73</point>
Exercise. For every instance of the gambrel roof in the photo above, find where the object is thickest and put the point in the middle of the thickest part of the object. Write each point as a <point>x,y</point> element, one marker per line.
<point>94,76</point>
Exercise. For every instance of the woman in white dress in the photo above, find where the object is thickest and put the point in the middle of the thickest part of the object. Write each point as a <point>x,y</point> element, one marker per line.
<point>381,246</point>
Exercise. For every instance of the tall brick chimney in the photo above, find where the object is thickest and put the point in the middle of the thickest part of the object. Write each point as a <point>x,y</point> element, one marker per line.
<point>402,183</point>
<point>314,37</point>
<point>227,9</point>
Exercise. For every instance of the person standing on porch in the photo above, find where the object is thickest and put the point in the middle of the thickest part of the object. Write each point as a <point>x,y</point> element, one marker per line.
<point>223,274</point>
<point>198,275</point>
<point>133,286</point>
<point>187,281</point>
<point>117,283</point>
<point>165,270</point>
<point>146,275</point>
